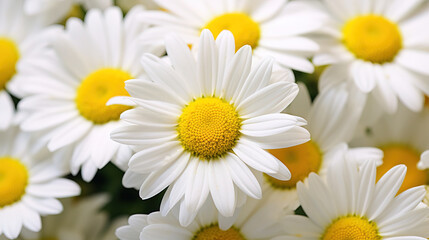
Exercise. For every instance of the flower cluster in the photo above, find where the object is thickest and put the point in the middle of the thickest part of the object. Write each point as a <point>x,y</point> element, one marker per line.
<point>247,119</point>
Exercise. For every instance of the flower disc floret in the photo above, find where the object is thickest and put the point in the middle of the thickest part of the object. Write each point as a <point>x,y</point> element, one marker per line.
<point>395,154</point>
<point>9,55</point>
<point>245,30</point>
<point>13,180</point>
<point>213,232</point>
<point>301,160</point>
<point>96,89</point>
<point>209,127</point>
<point>372,38</point>
<point>352,228</point>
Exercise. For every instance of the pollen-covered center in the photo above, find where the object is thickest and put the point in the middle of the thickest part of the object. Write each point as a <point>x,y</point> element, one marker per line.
<point>351,228</point>
<point>13,180</point>
<point>209,127</point>
<point>301,161</point>
<point>96,89</point>
<point>9,56</point>
<point>395,154</point>
<point>213,232</point>
<point>372,38</point>
<point>245,30</point>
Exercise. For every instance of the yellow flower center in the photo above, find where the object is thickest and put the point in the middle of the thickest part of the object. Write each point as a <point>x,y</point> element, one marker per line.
<point>96,89</point>
<point>395,154</point>
<point>9,55</point>
<point>213,232</point>
<point>245,30</point>
<point>209,127</point>
<point>372,38</point>
<point>301,161</point>
<point>351,228</point>
<point>13,180</point>
<point>49,238</point>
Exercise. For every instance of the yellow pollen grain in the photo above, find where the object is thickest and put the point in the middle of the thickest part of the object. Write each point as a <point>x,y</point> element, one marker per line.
<point>245,30</point>
<point>94,92</point>
<point>351,228</point>
<point>9,55</point>
<point>213,232</point>
<point>13,181</point>
<point>372,38</point>
<point>395,154</point>
<point>209,127</point>
<point>301,161</point>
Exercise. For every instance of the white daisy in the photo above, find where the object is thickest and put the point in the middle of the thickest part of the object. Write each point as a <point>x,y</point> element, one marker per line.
<point>29,184</point>
<point>403,138</point>
<point>351,205</point>
<point>256,220</point>
<point>271,27</point>
<point>59,10</point>
<point>200,126</point>
<point>82,218</point>
<point>67,88</point>
<point>331,122</point>
<point>375,45</point>
<point>18,41</point>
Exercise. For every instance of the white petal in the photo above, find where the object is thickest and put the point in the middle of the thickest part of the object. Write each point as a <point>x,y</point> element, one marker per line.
<point>256,157</point>
<point>258,78</point>
<point>267,9</point>
<point>363,75</point>
<point>154,158</point>
<point>271,99</point>
<point>197,189</point>
<point>424,160</point>
<point>243,177</point>
<point>270,124</point>
<point>207,64</point>
<point>57,188</point>
<point>234,80</point>
<point>409,94</point>
<point>69,133</point>
<point>183,61</point>
<point>386,189</point>
<point>159,180</point>
<point>295,136</point>
<point>222,188</point>
<point>44,206</point>
<point>415,60</point>
<point>226,51</point>
<point>159,72</point>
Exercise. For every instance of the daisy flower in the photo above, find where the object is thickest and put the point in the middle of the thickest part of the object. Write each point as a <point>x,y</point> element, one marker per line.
<point>257,220</point>
<point>29,184</point>
<point>403,138</point>
<point>18,41</point>
<point>81,217</point>
<point>351,205</point>
<point>67,88</point>
<point>375,45</point>
<point>271,27</point>
<point>201,125</point>
<point>59,10</point>
<point>331,122</point>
